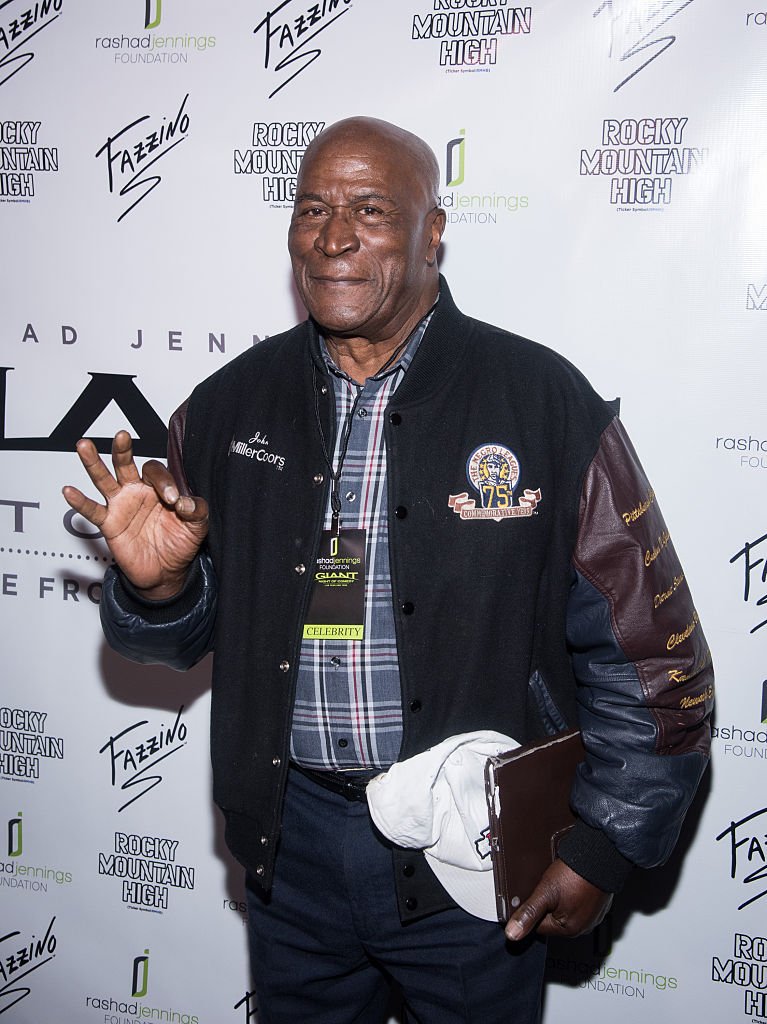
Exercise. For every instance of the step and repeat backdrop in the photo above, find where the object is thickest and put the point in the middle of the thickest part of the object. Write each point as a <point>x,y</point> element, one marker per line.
<point>604,173</point>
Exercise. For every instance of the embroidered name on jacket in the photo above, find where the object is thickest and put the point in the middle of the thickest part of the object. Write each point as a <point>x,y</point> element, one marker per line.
<point>493,472</point>
<point>249,450</point>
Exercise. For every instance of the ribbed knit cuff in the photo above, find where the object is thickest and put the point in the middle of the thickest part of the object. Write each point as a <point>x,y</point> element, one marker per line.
<point>594,857</point>
<point>159,612</point>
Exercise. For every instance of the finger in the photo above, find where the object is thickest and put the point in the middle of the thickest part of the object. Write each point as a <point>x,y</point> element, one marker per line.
<point>192,510</point>
<point>157,476</point>
<point>86,507</point>
<point>122,458</point>
<point>100,476</point>
<point>530,914</point>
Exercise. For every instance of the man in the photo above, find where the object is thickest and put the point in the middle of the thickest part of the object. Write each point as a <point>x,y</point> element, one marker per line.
<point>350,443</point>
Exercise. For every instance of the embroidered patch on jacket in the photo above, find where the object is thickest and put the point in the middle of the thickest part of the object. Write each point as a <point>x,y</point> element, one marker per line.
<point>493,472</point>
<point>257,448</point>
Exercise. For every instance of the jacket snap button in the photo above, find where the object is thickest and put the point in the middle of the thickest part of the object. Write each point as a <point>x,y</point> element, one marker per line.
<point>300,568</point>
<point>276,762</point>
<point>411,903</point>
<point>408,870</point>
<point>284,666</point>
<point>264,840</point>
<point>318,478</point>
<point>415,705</point>
<point>260,869</point>
<point>395,419</point>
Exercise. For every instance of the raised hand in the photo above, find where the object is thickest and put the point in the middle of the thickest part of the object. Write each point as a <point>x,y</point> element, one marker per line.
<point>152,530</point>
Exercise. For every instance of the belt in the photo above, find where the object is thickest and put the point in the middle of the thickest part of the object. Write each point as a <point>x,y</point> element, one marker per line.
<point>339,782</point>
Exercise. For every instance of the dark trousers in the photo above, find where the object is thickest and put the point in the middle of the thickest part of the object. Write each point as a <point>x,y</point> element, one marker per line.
<point>327,944</point>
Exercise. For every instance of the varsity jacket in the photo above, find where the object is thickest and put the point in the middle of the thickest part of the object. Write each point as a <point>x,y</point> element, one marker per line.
<point>527,599</point>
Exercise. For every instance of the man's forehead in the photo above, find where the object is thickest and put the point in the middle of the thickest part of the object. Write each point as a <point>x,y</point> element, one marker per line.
<point>353,174</point>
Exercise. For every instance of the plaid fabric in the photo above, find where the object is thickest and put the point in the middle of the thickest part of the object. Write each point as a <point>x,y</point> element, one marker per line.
<point>348,708</point>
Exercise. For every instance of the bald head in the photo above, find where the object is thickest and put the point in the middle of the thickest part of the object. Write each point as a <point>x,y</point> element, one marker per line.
<point>421,163</point>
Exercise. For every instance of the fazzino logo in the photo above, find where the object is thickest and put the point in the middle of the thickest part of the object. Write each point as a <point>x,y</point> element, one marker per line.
<point>640,33</point>
<point>132,150</point>
<point>286,31</point>
<point>752,561</point>
<point>22,22</point>
<point>21,955</point>
<point>746,842</point>
<point>136,752</point>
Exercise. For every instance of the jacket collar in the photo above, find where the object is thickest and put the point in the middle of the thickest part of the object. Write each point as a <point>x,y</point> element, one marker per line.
<point>439,355</point>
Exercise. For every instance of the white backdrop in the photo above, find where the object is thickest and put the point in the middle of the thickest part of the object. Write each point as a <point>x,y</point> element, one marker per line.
<point>604,169</point>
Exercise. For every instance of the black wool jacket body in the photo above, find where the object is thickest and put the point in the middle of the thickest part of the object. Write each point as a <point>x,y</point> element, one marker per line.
<point>561,604</point>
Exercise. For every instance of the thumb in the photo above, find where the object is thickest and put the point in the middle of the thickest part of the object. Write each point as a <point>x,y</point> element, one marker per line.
<point>530,914</point>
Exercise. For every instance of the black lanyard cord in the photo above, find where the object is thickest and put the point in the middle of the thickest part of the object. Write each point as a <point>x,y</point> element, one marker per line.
<point>335,475</point>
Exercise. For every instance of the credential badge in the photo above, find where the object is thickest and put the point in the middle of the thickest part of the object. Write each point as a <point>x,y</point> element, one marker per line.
<point>493,472</point>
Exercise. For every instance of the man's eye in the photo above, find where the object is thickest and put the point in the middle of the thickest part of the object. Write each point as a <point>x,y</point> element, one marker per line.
<point>370,211</point>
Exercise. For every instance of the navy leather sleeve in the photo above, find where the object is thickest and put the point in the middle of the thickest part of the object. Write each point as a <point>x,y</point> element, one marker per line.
<point>645,680</point>
<point>176,633</point>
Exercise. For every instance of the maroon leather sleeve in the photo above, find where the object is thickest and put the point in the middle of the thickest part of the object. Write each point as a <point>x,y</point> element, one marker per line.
<point>176,447</point>
<point>625,551</point>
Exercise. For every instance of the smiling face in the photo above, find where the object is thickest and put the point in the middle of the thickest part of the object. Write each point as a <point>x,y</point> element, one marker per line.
<point>365,231</point>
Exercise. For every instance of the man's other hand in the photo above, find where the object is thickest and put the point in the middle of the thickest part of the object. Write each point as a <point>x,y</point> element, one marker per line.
<point>562,903</point>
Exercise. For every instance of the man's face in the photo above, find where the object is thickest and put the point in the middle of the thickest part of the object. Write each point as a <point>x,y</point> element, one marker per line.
<point>363,238</point>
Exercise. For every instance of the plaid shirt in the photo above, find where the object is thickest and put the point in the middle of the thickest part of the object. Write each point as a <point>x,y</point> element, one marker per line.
<point>348,706</point>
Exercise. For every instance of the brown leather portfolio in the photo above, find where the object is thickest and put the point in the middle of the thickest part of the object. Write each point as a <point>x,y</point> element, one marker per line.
<point>528,797</point>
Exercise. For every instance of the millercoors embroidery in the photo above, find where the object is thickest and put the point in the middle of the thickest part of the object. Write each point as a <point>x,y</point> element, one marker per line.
<point>493,472</point>
<point>256,447</point>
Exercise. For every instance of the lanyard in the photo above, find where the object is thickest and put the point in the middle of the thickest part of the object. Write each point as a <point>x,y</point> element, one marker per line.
<point>335,474</point>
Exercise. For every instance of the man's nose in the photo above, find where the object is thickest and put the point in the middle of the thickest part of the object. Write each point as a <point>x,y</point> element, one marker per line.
<point>338,234</point>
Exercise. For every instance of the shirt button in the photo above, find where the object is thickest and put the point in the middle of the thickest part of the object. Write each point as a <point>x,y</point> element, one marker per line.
<point>408,870</point>
<point>411,903</point>
<point>318,479</point>
<point>335,661</point>
<point>350,496</point>
<point>285,665</point>
<point>415,705</point>
<point>343,743</point>
<point>276,762</point>
<point>408,608</point>
<point>300,568</point>
<point>400,512</point>
<point>362,413</point>
<point>395,419</point>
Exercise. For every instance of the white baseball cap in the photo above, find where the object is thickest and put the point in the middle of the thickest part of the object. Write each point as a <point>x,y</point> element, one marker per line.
<point>435,801</point>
